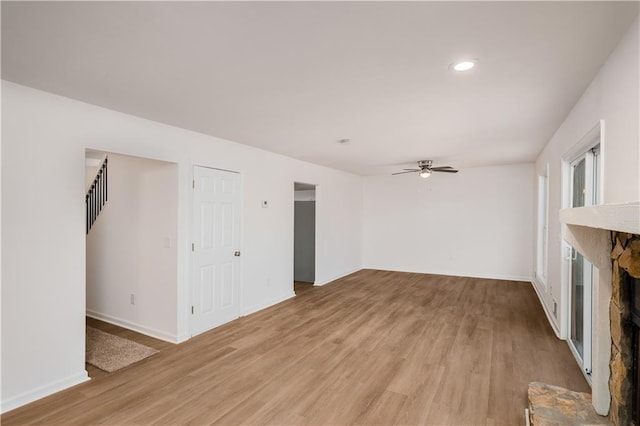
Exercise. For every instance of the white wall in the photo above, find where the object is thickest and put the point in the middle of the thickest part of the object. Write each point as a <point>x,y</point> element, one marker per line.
<point>127,249</point>
<point>44,138</point>
<point>478,222</point>
<point>90,173</point>
<point>613,96</point>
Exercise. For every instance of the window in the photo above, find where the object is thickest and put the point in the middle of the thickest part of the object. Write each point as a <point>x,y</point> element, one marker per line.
<point>582,183</point>
<point>543,223</point>
<point>581,275</point>
<point>585,181</point>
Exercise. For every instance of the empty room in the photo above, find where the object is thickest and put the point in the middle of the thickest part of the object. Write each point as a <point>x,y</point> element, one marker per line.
<point>320,213</point>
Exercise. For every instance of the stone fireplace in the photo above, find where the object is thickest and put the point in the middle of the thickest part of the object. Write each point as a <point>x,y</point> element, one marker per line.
<point>625,325</point>
<point>609,237</point>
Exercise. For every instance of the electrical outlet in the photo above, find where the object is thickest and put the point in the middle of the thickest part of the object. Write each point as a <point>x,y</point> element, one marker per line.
<point>133,299</point>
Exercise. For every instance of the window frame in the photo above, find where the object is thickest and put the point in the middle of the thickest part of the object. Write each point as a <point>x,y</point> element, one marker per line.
<point>591,149</point>
<point>592,178</point>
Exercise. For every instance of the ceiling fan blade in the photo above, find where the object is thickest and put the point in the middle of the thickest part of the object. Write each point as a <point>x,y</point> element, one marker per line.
<point>441,168</point>
<point>412,170</point>
<point>445,170</point>
<point>401,173</point>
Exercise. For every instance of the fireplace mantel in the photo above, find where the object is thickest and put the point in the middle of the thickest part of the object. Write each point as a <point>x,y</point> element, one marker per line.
<point>588,230</point>
<point>613,217</point>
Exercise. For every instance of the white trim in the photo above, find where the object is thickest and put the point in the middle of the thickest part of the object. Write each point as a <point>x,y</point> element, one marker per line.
<point>183,290</point>
<point>579,361</point>
<point>601,163</point>
<point>526,278</point>
<point>592,138</point>
<point>565,294</point>
<point>554,326</point>
<point>315,230</point>
<point>588,314</point>
<point>151,332</point>
<point>337,277</point>
<point>43,391</point>
<point>317,235</point>
<point>542,229</point>
<point>565,177</point>
<point>274,301</point>
<point>182,338</point>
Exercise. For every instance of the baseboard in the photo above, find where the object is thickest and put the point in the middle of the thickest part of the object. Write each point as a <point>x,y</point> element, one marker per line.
<point>526,278</point>
<point>43,391</point>
<point>255,308</point>
<point>337,277</point>
<point>554,327</point>
<point>157,334</point>
<point>183,338</point>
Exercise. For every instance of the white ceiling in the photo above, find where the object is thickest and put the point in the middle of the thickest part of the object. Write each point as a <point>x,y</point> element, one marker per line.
<point>295,77</point>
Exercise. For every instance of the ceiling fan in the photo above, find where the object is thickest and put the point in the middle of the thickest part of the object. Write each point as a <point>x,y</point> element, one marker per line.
<point>425,169</point>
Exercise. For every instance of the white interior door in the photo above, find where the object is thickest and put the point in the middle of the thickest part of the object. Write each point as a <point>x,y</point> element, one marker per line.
<point>215,277</point>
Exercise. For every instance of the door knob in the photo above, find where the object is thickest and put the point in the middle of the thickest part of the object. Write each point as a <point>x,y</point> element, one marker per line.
<point>236,254</point>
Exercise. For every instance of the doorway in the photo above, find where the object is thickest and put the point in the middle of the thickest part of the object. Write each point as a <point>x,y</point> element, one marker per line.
<point>131,224</point>
<point>304,236</point>
<point>130,250</point>
<point>215,285</point>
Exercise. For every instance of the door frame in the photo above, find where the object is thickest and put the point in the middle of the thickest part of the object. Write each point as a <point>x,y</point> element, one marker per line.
<point>316,234</point>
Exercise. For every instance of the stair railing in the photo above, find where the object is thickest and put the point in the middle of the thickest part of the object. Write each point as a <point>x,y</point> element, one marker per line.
<point>97,195</point>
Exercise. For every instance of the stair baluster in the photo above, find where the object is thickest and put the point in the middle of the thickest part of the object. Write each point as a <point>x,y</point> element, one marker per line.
<point>96,197</point>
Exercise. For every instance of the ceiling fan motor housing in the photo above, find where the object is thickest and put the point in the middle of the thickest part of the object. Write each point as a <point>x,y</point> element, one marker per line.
<point>425,164</point>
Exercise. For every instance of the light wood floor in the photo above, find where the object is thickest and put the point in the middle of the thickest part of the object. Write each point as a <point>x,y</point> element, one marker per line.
<point>299,287</point>
<point>375,347</point>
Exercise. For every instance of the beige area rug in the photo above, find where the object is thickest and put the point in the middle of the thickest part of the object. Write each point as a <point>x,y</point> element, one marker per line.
<point>110,353</point>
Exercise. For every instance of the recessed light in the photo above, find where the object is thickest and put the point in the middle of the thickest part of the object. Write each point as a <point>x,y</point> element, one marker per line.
<point>464,65</point>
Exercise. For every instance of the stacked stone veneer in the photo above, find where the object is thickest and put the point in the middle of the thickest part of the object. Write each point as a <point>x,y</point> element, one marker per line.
<point>626,262</point>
